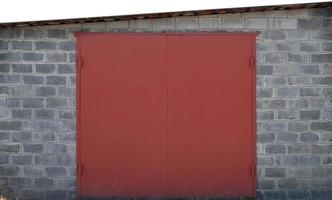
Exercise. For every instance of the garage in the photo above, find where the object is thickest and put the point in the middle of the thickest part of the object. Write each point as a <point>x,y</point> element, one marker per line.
<point>166,114</point>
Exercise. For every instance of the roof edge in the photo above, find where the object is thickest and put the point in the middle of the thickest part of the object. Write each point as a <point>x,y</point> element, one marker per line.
<point>166,14</point>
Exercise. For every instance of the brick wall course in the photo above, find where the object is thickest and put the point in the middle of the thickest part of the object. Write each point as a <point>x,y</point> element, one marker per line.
<point>294,101</point>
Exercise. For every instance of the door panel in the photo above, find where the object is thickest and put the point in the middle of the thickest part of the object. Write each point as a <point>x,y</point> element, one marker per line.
<point>123,116</point>
<point>166,115</point>
<point>209,115</point>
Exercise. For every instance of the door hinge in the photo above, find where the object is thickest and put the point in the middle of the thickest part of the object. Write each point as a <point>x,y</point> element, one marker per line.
<point>252,62</point>
<point>79,169</point>
<point>79,62</point>
<point>253,170</point>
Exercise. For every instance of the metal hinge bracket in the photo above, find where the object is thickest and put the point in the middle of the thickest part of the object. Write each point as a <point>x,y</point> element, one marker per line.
<point>79,169</point>
<point>252,62</point>
<point>79,62</point>
<point>253,170</point>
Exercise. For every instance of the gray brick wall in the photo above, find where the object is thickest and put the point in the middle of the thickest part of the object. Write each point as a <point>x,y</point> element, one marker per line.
<point>294,101</point>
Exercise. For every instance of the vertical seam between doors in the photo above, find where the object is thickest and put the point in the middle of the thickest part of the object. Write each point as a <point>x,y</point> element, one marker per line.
<point>166,67</point>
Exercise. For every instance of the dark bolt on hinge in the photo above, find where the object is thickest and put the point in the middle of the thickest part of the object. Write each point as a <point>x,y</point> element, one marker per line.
<point>79,169</point>
<point>79,62</point>
<point>252,62</point>
<point>253,170</point>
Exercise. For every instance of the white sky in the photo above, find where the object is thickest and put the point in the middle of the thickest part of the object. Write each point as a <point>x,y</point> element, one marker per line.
<point>34,10</point>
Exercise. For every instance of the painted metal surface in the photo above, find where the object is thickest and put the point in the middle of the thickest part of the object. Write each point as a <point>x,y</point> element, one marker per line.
<point>166,115</point>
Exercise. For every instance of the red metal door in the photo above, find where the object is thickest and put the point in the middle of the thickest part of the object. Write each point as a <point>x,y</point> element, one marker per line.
<point>122,109</point>
<point>166,115</point>
<point>210,115</point>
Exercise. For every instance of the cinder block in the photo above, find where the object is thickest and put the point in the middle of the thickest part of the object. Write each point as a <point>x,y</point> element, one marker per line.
<point>266,138</point>
<point>163,24</point>
<point>327,92</point>
<point>297,35</point>
<point>321,12</point>
<point>298,58</point>
<point>264,92</point>
<point>265,184</point>
<point>34,33</point>
<point>309,23</point>
<point>33,171</point>
<point>287,92</point>
<point>55,148</point>
<point>66,92</point>
<point>4,159</point>
<point>21,137</point>
<point>44,182</point>
<point>45,91</point>
<point>4,45</point>
<point>297,103</point>
<point>274,35</point>
<point>298,148</point>
<point>21,159</point>
<point>309,137</point>
<point>285,23</point>
<point>10,125</point>
<point>209,23</point>
<point>233,23</point>
<point>44,114</point>
<point>287,137</point>
<point>56,80</point>
<point>56,57</point>
<point>275,58</point>
<point>275,172</point>
<point>57,33</point>
<point>22,45</point>
<point>321,126</point>
<point>309,46</point>
<point>310,69</point>
<point>272,81</point>
<point>68,183</point>
<point>264,69</point>
<point>4,67</point>
<point>56,102</point>
<point>10,33</point>
<point>298,126</point>
<point>288,183</point>
<point>55,194</point>
<point>183,23</point>
<point>33,148</point>
<point>33,56</point>
<point>45,45</point>
<point>297,172</point>
<point>32,102</point>
<point>275,149</point>
<point>298,81</point>
<point>256,23</point>
<point>309,160</point>
<point>45,159</point>
<point>327,46</point>
<point>310,115</point>
<point>321,172</point>
<point>17,56</point>
<point>20,182</point>
<point>310,92</point>
<point>274,104</point>
<point>55,171</point>
<point>66,68</point>
<point>22,68</point>
<point>265,115</point>
<point>67,45</point>
<point>141,24</point>
<point>45,68</point>
<point>287,114</point>
<point>9,170</point>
